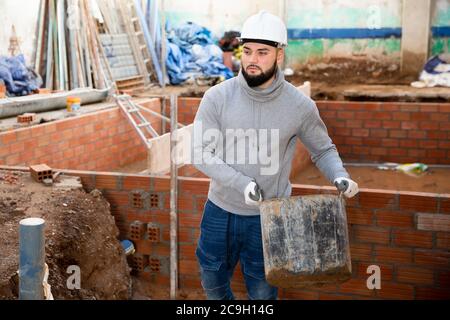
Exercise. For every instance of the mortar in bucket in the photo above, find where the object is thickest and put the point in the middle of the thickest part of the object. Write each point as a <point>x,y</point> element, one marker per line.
<point>305,241</point>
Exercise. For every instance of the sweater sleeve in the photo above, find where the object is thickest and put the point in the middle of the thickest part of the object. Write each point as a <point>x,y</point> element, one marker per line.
<point>206,145</point>
<point>314,135</point>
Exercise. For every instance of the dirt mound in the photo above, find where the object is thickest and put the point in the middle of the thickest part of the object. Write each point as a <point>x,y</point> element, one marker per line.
<point>80,231</point>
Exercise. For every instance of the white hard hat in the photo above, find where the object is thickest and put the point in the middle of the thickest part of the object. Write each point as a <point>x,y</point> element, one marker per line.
<point>266,28</point>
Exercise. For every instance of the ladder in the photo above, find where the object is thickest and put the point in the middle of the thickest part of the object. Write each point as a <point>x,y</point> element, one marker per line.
<point>126,9</point>
<point>133,113</point>
<point>144,129</point>
<point>139,37</point>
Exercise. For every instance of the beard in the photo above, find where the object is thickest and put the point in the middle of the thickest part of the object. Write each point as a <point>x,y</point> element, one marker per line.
<point>256,81</point>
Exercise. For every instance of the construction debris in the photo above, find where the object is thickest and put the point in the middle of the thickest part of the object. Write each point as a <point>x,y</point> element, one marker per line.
<point>81,233</point>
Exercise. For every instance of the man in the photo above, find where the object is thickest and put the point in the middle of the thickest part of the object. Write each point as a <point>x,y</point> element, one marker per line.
<point>245,134</point>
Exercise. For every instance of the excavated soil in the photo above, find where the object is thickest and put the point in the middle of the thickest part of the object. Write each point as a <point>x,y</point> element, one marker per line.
<point>80,230</point>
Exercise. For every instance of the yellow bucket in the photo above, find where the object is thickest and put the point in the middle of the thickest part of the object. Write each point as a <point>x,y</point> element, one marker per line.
<point>73,104</point>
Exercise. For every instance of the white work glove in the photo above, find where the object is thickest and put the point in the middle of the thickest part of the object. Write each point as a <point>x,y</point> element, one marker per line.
<point>253,194</point>
<point>346,186</point>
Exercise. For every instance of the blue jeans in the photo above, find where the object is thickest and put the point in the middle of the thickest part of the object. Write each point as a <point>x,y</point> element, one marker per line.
<point>225,239</point>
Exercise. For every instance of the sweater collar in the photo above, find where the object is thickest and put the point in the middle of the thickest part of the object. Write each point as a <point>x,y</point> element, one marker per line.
<point>263,95</point>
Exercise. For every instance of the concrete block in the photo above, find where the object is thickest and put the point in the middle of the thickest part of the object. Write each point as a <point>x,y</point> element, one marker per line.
<point>41,172</point>
<point>137,230</point>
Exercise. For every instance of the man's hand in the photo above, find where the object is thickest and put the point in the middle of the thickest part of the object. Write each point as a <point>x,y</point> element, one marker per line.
<point>346,186</point>
<point>253,194</point>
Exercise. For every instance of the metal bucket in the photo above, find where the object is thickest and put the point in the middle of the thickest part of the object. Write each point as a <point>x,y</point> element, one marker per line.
<point>305,241</point>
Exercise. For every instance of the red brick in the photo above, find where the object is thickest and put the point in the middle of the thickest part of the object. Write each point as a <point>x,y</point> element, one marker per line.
<point>357,286</point>
<point>375,199</point>
<point>342,131</point>
<point>360,251</point>
<point>189,220</point>
<point>444,144</point>
<point>436,154</point>
<point>443,240</point>
<point>414,275</point>
<point>398,152</point>
<point>429,107</point>
<point>388,254</point>
<point>397,134</point>
<point>363,115</point>
<point>345,115</point>
<point>300,295</point>
<point>413,238</point>
<point>432,258</point>
<point>429,125</point>
<point>426,293</point>
<point>396,291</point>
<point>409,143</point>
<point>361,150</point>
<point>409,107</point>
<point>391,124</point>
<point>354,123</point>
<point>161,184</point>
<point>136,182</point>
<point>417,134</point>
<point>371,234</point>
<point>394,219</point>
<point>437,135</point>
<point>410,125</point>
<point>444,279</point>
<point>326,114</point>
<point>161,250</point>
<point>390,142</point>
<point>382,115</point>
<point>378,133</point>
<point>184,235</point>
<point>417,153</point>
<point>188,266</point>
<point>444,107</point>
<point>17,147</point>
<point>360,132</point>
<point>161,217</point>
<point>420,116</point>
<point>401,116</point>
<point>330,296</point>
<point>194,186</point>
<point>428,144</point>
<point>106,182</point>
<point>353,141</point>
<point>433,222</point>
<point>186,203</point>
<point>418,203</point>
<point>444,126</point>
<point>359,216</point>
<point>439,117</point>
<point>9,137</point>
<point>368,124</point>
<point>444,205</point>
<point>379,151</point>
<point>117,198</point>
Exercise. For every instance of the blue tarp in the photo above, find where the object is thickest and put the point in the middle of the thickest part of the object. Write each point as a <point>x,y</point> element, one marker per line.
<point>19,79</point>
<point>192,53</point>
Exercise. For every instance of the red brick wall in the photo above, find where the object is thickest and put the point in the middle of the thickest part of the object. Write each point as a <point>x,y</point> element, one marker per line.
<point>98,141</point>
<point>374,131</point>
<point>389,131</point>
<point>383,226</point>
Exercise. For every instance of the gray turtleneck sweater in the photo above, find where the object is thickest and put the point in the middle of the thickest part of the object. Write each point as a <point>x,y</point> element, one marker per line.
<point>243,134</point>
